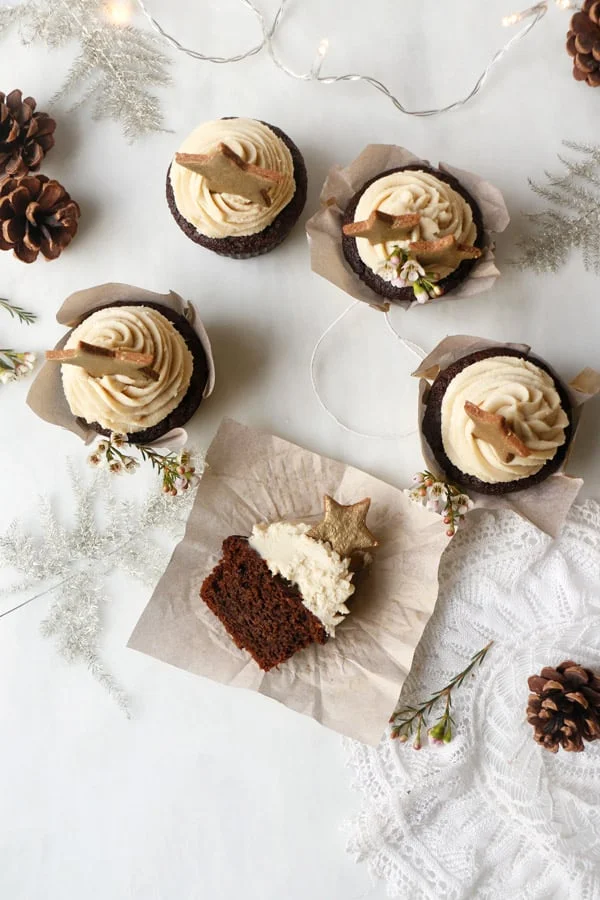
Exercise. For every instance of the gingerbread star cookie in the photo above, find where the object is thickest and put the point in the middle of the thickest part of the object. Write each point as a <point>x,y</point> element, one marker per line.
<point>227,173</point>
<point>381,227</point>
<point>494,430</point>
<point>344,527</point>
<point>443,254</point>
<point>98,361</point>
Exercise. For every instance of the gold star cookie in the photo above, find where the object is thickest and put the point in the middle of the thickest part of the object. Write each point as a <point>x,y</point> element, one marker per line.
<point>344,527</point>
<point>227,173</point>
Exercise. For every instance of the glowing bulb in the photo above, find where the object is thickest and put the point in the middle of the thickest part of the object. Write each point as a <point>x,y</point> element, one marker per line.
<point>119,12</point>
<point>511,20</point>
<point>323,47</point>
<point>564,4</point>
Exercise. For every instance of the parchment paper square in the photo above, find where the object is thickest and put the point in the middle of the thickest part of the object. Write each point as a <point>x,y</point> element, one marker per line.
<point>350,684</point>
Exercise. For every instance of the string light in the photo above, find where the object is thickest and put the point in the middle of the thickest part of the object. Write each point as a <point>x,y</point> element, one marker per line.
<point>534,13</point>
<point>119,12</point>
<point>514,18</point>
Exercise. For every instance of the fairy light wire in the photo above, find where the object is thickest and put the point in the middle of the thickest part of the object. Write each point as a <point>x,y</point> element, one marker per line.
<point>534,14</point>
<point>195,54</point>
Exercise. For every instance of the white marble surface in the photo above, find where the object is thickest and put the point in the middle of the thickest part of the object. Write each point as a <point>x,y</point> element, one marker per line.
<point>211,792</point>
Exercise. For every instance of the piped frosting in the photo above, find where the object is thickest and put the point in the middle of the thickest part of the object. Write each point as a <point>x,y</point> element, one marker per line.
<point>442,212</point>
<point>123,403</point>
<point>321,575</point>
<point>520,391</point>
<point>226,215</point>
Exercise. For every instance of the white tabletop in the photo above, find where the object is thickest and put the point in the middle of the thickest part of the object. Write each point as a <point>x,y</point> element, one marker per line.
<point>211,792</point>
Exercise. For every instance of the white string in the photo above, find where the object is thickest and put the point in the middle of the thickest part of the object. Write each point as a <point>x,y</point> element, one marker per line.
<point>535,13</point>
<point>414,348</point>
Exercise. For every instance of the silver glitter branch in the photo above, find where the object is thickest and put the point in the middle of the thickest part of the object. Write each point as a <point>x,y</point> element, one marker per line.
<point>108,534</point>
<point>115,68</point>
<point>573,220</point>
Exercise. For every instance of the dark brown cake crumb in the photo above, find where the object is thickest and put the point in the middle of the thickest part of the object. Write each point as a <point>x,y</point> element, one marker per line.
<point>386,288</point>
<point>263,613</point>
<point>432,426</point>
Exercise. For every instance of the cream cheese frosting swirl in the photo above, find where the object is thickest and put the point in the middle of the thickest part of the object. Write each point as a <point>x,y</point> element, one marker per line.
<point>520,391</point>
<point>321,575</point>
<point>443,212</point>
<point>226,215</point>
<point>118,402</point>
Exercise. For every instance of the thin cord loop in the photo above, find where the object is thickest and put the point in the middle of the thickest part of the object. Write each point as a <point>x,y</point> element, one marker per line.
<point>412,347</point>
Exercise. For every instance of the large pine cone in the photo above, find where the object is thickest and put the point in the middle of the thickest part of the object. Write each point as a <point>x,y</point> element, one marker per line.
<point>37,215</point>
<point>25,136</point>
<point>583,43</point>
<point>564,707</point>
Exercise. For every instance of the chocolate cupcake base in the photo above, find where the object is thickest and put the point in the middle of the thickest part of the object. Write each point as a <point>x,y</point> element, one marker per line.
<point>386,288</point>
<point>249,246</point>
<point>193,397</point>
<point>432,426</point>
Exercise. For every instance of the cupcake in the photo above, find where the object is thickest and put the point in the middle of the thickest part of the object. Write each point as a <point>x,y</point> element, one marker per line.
<point>138,369</point>
<point>237,186</point>
<point>498,420</point>
<point>412,233</point>
<point>287,585</point>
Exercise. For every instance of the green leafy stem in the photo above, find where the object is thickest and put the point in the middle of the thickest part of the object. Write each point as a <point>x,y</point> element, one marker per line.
<point>17,312</point>
<point>413,719</point>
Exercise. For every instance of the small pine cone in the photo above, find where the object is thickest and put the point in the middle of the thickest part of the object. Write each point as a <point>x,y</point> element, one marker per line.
<point>583,43</point>
<point>37,215</point>
<point>25,135</point>
<point>564,707</point>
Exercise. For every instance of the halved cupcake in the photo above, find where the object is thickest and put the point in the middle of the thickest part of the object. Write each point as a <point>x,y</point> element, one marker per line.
<point>498,420</point>
<point>237,186</point>
<point>286,586</point>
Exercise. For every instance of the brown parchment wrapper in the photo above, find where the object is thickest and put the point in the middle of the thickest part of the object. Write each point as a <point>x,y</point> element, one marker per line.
<point>350,684</point>
<point>46,396</point>
<point>545,505</point>
<point>324,229</point>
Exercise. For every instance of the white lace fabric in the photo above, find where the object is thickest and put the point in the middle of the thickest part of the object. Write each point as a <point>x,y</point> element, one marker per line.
<point>492,814</point>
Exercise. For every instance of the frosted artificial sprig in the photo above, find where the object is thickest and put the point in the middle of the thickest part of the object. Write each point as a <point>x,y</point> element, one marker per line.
<point>15,365</point>
<point>572,219</point>
<point>174,468</point>
<point>403,270</point>
<point>17,312</point>
<point>409,719</point>
<point>441,497</point>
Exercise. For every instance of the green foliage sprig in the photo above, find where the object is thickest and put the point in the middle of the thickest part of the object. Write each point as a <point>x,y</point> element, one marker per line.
<point>407,720</point>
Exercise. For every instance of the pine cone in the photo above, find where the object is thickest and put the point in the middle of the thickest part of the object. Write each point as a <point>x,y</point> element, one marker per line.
<point>25,136</point>
<point>564,707</point>
<point>583,43</point>
<point>36,215</point>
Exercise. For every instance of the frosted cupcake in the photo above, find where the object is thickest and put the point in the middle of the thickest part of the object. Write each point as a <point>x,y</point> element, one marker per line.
<point>237,186</point>
<point>498,420</point>
<point>412,233</point>
<point>132,368</point>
